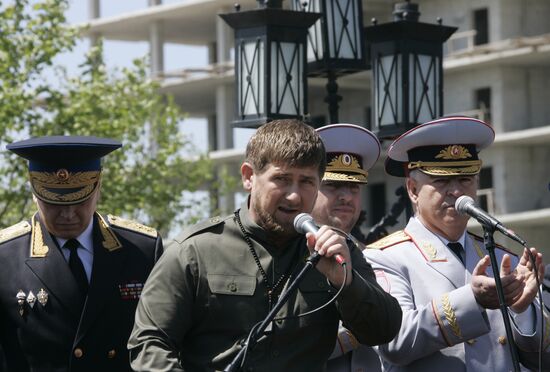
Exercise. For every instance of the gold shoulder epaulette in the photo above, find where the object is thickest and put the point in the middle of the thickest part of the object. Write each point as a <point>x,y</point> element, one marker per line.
<point>480,239</point>
<point>388,241</point>
<point>131,225</point>
<point>14,231</point>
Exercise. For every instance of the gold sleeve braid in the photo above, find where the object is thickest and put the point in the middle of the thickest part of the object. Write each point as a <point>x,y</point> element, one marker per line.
<point>450,315</point>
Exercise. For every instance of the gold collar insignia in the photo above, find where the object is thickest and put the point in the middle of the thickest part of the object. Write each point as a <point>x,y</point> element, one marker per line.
<point>110,241</point>
<point>38,246</point>
<point>429,250</point>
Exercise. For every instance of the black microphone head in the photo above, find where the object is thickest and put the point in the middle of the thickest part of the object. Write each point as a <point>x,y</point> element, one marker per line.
<point>462,203</point>
<point>300,220</point>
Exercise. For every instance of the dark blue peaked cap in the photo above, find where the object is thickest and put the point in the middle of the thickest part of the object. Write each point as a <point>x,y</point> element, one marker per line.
<point>64,170</point>
<point>74,152</point>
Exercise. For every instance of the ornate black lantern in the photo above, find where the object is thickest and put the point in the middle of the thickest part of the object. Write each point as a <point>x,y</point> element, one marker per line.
<point>335,43</point>
<point>270,62</point>
<point>407,67</point>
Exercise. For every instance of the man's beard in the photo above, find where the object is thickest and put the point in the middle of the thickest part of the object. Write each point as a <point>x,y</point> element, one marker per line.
<point>339,223</point>
<point>343,223</point>
<point>271,226</point>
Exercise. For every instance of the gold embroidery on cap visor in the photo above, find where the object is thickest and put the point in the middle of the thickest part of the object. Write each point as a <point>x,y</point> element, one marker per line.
<point>448,168</point>
<point>64,187</point>
<point>345,168</point>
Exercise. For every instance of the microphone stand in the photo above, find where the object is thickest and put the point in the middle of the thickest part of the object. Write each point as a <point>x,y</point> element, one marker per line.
<point>489,242</point>
<point>235,364</point>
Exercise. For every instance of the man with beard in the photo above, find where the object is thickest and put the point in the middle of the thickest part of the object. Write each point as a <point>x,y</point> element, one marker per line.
<point>220,278</point>
<point>441,273</point>
<point>351,151</point>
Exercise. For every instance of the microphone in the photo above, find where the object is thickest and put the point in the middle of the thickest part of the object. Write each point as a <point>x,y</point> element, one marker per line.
<point>304,223</point>
<point>466,205</point>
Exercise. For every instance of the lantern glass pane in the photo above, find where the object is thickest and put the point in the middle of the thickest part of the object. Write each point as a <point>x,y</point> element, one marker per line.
<point>388,90</point>
<point>315,33</point>
<point>287,90</point>
<point>251,84</point>
<point>343,29</point>
<point>423,75</point>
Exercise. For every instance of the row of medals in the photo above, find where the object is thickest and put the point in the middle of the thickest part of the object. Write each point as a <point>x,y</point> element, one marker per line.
<point>31,299</point>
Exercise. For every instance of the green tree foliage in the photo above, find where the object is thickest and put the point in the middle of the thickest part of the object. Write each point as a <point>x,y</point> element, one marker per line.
<point>147,177</point>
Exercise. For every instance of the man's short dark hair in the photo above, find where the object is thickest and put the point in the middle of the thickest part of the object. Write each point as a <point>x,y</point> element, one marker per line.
<point>286,142</point>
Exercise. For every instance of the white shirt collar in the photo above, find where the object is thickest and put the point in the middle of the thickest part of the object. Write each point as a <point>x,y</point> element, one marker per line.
<point>85,239</point>
<point>461,240</point>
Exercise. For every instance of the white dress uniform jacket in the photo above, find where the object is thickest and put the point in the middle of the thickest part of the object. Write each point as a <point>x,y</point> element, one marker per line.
<point>443,328</point>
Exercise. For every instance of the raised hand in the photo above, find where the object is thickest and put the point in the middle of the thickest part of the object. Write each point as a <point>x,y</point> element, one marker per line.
<point>526,269</point>
<point>484,287</point>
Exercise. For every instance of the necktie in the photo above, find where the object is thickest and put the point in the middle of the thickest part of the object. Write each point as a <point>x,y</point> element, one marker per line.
<point>76,266</point>
<point>457,250</point>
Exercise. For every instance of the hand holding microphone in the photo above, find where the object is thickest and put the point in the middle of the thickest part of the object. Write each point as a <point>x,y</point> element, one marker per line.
<point>304,223</point>
<point>338,273</point>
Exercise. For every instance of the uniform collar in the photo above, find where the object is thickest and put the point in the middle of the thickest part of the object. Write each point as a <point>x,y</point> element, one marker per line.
<point>461,240</point>
<point>85,238</point>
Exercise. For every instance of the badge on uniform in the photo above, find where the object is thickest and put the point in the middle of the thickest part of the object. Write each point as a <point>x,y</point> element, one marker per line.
<point>31,299</point>
<point>42,297</point>
<point>130,291</point>
<point>21,296</point>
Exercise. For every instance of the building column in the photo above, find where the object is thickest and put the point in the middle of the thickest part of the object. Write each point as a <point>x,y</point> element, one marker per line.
<point>220,129</point>
<point>224,93</point>
<point>93,13</point>
<point>156,43</point>
<point>224,39</point>
<point>224,117</point>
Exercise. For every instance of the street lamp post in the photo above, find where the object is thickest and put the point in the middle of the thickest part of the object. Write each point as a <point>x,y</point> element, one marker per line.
<point>335,43</point>
<point>407,71</point>
<point>270,62</point>
<point>407,84</point>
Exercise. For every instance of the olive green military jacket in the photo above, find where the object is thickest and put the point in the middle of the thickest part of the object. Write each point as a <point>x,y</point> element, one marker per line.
<point>206,293</point>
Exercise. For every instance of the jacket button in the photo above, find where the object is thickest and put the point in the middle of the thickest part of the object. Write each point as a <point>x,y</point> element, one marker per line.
<point>78,353</point>
<point>502,340</point>
<point>111,354</point>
